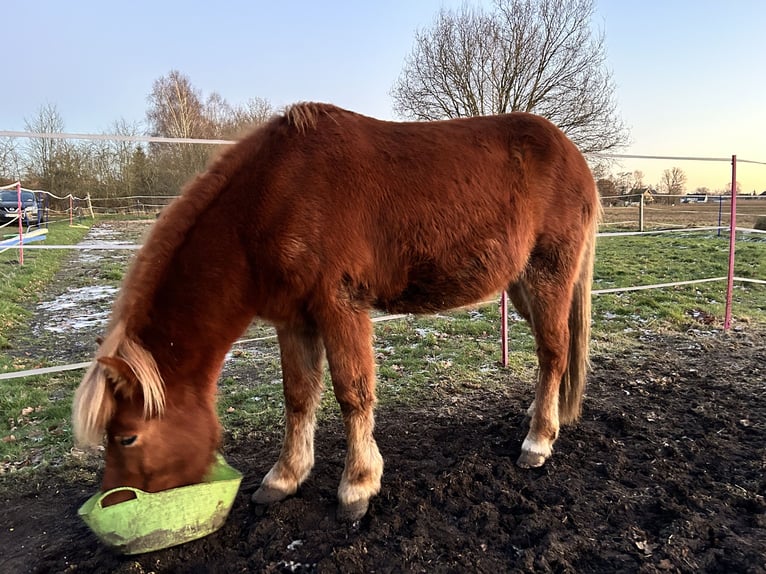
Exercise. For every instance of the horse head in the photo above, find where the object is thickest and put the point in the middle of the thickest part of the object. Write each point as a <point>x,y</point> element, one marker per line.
<point>158,435</point>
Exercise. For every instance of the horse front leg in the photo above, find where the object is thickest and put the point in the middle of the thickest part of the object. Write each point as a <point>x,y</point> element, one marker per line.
<point>520,298</point>
<point>350,357</point>
<point>302,354</point>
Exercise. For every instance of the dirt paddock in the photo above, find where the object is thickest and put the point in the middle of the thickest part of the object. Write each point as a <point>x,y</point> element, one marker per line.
<point>664,473</point>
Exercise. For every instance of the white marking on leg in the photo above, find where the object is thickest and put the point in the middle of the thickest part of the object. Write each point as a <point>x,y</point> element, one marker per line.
<point>363,462</point>
<point>536,446</point>
<point>297,457</point>
<point>280,480</point>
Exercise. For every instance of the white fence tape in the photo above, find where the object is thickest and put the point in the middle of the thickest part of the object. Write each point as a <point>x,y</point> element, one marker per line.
<point>75,366</point>
<point>132,246</point>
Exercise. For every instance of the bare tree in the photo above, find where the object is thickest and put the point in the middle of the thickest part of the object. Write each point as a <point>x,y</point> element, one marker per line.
<point>45,157</point>
<point>9,161</point>
<point>638,179</point>
<point>176,110</point>
<point>108,163</point>
<point>624,182</point>
<point>175,107</point>
<point>253,112</point>
<point>525,55</point>
<point>673,181</point>
<point>738,187</point>
<point>230,122</point>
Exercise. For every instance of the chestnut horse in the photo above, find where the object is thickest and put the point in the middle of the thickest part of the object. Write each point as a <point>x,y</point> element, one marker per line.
<point>309,222</point>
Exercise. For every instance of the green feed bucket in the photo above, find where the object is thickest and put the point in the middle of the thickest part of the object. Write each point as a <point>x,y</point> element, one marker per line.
<point>155,520</point>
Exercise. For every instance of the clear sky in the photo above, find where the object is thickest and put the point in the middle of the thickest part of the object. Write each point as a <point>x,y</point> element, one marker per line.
<point>690,74</point>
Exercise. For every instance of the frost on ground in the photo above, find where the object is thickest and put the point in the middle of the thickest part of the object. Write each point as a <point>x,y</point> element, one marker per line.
<point>664,473</point>
<point>72,311</point>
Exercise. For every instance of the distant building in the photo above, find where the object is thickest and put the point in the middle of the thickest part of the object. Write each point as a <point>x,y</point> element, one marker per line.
<point>633,197</point>
<point>695,198</point>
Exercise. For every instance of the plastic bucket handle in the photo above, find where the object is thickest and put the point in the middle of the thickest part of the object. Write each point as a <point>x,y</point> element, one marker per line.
<point>138,492</point>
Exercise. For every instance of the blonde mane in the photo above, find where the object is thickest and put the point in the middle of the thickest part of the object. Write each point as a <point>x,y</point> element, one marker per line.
<point>94,401</point>
<point>305,115</point>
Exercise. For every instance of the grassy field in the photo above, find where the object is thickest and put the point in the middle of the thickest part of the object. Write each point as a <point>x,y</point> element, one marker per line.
<point>34,428</point>
<point>19,284</point>
<point>417,356</point>
<point>659,216</point>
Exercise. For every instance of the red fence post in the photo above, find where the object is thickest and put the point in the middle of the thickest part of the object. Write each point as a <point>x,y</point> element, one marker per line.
<point>21,224</point>
<point>504,326</point>
<point>732,242</point>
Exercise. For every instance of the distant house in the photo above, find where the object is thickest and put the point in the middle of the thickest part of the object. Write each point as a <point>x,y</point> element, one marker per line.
<point>694,198</point>
<point>634,196</point>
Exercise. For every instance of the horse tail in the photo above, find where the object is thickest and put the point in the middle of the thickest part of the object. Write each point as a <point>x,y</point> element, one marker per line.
<point>573,381</point>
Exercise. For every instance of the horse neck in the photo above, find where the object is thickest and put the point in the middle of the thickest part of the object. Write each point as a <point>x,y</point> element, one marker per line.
<point>202,305</point>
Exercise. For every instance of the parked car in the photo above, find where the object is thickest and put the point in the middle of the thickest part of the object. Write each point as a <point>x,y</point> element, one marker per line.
<point>33,210</point>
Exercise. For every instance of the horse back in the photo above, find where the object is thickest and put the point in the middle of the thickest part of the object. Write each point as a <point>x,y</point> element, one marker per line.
<point>408,216</point>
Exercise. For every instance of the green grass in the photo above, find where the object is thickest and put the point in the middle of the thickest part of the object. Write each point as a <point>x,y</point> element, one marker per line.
<point>35,429</point>
<point>20,284</point>
<point>417,357</point>
<point>111,271</point>
<point>632,261</point>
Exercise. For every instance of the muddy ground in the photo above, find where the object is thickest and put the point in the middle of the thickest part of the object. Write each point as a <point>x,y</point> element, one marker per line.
<point>666,472</point>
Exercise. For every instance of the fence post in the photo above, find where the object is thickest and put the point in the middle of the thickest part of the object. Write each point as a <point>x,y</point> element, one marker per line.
<point>504,327</point>
<point>641,212</point>
<point>732,243</point>
<point>90,206</point>
<point>20,207</point>
<point>71,210</point>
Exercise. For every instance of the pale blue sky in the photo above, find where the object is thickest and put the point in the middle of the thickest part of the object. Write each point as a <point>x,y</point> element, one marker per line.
<point>690,75</point>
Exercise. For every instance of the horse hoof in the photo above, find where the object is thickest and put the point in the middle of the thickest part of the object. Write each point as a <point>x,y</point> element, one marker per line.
<point>268,495</point>
<point>530,460</point>
<point>354,511</point>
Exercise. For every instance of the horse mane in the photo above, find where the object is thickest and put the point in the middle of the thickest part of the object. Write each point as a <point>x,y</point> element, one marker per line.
<point>94,402</point>
<point>165,238</point>
<point>175,221</point>
<point>305,115</point>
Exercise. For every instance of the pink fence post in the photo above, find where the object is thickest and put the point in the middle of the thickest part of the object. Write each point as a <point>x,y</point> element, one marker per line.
<point>21,224</point>
<point>732,242</point>
<point>504,327</point>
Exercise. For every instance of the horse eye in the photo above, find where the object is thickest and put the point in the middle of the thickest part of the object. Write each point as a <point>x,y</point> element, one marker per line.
<point>128,440</point>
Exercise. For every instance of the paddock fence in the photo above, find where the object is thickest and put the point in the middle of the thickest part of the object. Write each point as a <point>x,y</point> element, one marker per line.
<point>624,215</point>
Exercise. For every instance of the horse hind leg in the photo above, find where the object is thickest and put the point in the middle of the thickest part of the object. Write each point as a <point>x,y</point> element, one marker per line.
<point>302,355</point>
<point>548,297</point>
<point>348,336</point>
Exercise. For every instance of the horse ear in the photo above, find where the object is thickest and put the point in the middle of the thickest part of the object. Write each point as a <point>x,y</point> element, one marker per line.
<point>120,375</point>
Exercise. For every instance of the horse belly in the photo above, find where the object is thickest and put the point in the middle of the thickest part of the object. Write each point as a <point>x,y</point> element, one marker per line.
<point>431,287</point>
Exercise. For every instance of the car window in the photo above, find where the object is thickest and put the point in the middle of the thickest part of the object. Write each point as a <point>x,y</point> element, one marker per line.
<point>27,197</point>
